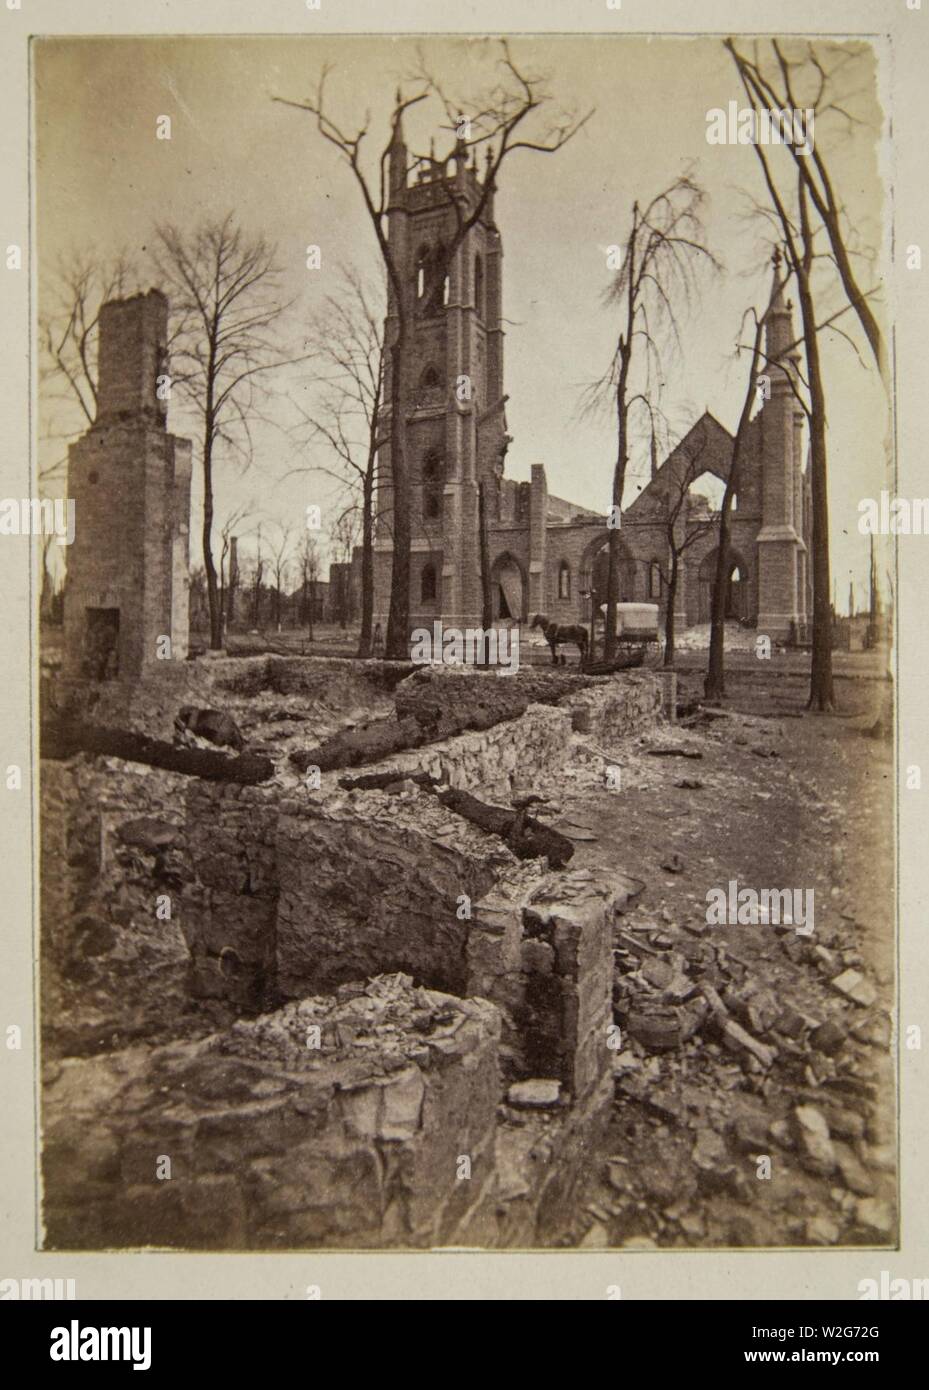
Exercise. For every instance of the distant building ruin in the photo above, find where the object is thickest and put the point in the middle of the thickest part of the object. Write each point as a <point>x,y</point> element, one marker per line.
<point>545,553</point>
<point>128,580</point>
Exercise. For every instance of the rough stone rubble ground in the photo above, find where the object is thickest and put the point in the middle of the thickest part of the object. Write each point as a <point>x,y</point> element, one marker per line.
<point>739,1044</point>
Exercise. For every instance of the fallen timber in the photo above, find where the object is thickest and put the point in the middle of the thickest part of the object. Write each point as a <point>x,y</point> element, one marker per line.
<point>59,741</point>
<point>527,837</point>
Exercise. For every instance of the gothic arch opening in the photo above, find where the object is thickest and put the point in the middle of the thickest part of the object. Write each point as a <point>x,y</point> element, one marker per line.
<point>738,598</point>
<point>510,590</point>
<point>428,583</point>
<point>431,389</point>
<point>431,279</point>
<point>595,573</point>
<point>423,258</point>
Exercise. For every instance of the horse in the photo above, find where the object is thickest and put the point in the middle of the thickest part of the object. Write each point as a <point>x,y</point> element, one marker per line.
<point>556,633</point>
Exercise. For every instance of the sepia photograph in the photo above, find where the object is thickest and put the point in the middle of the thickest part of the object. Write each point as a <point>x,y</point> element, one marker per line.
<point>465,630</point>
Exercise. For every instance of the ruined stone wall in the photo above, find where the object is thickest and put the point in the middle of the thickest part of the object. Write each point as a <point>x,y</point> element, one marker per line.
<point>271,1143</point>
<point>149,705</point>
<point>306,889</point>
<point>282,892</point>
<point>496,760</point>
<point>312,676</point>
<point>626,704</point>
<point>111,851</point>
<point>127,466</point>
<point>542,951</point>
<point>370,883</point>
<point>229,916</point>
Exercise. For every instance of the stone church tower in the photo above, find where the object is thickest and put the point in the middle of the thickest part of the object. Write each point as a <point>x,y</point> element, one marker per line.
<point>452,394</point>
<point>127,581</point>
<point>782,552</point>
<point>544,553</point>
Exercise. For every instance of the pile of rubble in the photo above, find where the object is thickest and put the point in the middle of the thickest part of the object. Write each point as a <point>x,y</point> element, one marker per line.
<point>744,1071</point>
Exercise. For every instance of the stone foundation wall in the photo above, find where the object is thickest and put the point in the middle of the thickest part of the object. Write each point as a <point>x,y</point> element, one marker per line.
<point>374,884</point>
<point>543,952</point>
<point>625,704</point>
<point>495,760</point>
<point>114,873</point>
<point>254,1140</point>
<point>229,914</point>
<point>283,892</point>
<point>312,676</point>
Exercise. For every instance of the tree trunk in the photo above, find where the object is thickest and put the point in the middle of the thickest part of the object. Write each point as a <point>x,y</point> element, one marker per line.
<point>487,604</point>
<point>619,480</point>
<point>714,687</point>
<point>397,646</point>
<point>256,599</point>
<point>669,610</point>
<point>822,694</point>
<point>212,587</point>
<point>525,836</point>
<point>367,559</point>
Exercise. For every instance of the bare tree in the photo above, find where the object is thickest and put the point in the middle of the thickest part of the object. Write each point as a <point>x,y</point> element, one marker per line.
<point>714,685</point>
<point>809,78</point>
<point>803,202</point>
<point>347,419</point>
<point>258,572</point>
<point>343,536</point>
<point>224,288</point>
<point>497,126</point>
<point>280,564</point>
<point>655,281</point>
<point>68,329</point>
<point>308,560</point>
<point>231,533</point>
<point>789,208</point>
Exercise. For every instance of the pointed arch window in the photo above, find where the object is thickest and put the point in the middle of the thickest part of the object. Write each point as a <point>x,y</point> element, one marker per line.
<point>430,386</point>
<point>433,475</point>
<point>422,272</point>
<point>564,580</point>
<point>479,287</point>
<point>654,580</point>
<point>428,583</point>
<point>432,280</point>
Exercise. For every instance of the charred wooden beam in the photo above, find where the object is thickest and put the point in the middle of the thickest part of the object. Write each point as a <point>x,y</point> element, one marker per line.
<point>63,740</point>
<point>377,781</point>
<point>525,836</point>
<point>368,743</point>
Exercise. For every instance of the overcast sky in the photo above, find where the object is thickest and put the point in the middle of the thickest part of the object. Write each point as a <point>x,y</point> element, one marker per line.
<point>104,181</point>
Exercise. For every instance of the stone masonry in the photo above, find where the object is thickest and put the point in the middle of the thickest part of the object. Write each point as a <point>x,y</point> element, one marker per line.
<point>384,1034</point>
<point>127,584</point>
<point>546,553</point>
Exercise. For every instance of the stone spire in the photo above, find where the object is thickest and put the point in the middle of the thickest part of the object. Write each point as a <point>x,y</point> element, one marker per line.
<point>489,183</point>
<point>779,330</point>
<point>397,154</point>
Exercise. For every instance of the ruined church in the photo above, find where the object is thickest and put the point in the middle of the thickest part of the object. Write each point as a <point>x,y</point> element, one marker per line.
<point>546,554</point>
